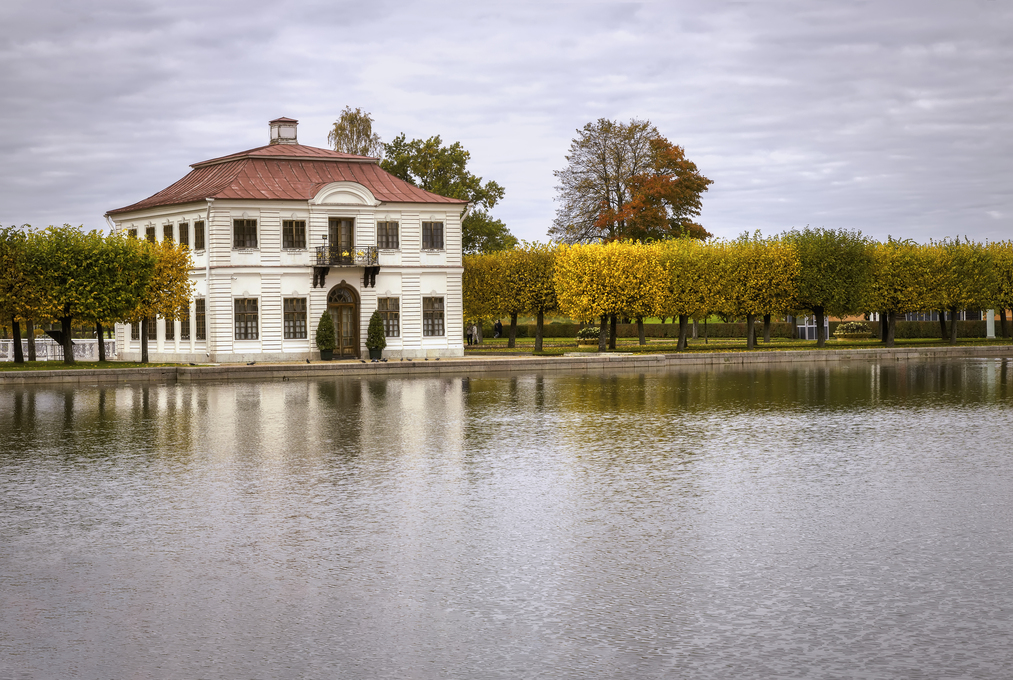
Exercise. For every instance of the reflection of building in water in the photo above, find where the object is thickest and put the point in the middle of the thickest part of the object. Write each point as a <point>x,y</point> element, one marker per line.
<point>285,233</point>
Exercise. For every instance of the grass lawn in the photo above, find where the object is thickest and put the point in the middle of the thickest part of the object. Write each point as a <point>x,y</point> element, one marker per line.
<point>560,346</point>
<point>77,365</point>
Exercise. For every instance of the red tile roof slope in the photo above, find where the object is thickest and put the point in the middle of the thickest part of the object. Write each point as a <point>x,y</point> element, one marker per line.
<point>284,172</point>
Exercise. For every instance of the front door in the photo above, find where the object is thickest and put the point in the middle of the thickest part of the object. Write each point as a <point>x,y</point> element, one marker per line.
<point>340,236</point>
<point>343,306</point>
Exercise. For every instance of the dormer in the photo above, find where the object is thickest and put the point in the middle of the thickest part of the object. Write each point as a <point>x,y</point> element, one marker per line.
<point>283,131</point>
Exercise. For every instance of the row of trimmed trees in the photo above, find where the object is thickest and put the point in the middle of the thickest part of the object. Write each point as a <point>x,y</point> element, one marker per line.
<point>68,275</point>
<point>816,272</point>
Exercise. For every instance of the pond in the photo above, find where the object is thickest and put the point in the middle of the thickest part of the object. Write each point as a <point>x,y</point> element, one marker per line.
<point>818,521</point>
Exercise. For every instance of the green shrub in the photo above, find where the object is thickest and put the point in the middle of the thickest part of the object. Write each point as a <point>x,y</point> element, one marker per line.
<point>325,333</point>
<point>588,333</point>
<point>375,336</point>
<point>852,328</point>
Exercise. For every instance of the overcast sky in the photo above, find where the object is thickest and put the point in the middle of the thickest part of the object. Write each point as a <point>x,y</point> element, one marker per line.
<point>889,117</point>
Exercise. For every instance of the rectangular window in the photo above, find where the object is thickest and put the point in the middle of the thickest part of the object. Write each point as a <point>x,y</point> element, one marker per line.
<point>184,328</point>
<point>244,234</point>
<point>198,235</point>
<point>170,329</point>
<point>152,329</point>
<point>432,236</point>
<point>391,315</point>
<point>432,316</point>
<point>246,319</point>
<point>132,233</point>
<point>167,232</point>
<point>386,235</point>
<point>293,234</point>
<point>184,233</point>
<point>149,233</point>
<point>200,306</point>
<point>295,318</point>
<point>135,331</point>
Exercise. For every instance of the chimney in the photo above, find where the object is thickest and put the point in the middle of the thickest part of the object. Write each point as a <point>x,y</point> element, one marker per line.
<point>283,131</point>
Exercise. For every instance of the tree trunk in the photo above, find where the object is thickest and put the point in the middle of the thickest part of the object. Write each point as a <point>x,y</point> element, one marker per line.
<point>705,336</point>
<point>821,338</point>
<point>891,328</point>
<point>953,325</point>
<point>884,325</point>
<point>144,341</point>
<point>101,341</point>
<point>640,331</point>
<point>612,331</point>
<point>683,331</point>
<point>1002,322</point>
<point>30,332</point>
<point>68,343</point>
<point>477,338</point>
<point>750,335</point>
<point>538,330</point>
<point>766,329</point>
<point>942,324</point>
<point>19,353</point>
<point>513,330</point>
<point>603,333</point>
<point>696,330</point>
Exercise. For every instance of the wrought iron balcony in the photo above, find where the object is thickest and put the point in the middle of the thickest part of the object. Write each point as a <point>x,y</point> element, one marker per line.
<point>335,256</point>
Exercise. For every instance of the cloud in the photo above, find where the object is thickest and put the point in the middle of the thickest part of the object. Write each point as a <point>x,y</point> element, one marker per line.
<point>887,117</point>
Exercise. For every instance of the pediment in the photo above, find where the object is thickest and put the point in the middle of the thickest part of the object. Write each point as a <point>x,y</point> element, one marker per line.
<point>344,193</point>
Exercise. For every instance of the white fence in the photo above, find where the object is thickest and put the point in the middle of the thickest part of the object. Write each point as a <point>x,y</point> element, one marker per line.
<point>47,349</point>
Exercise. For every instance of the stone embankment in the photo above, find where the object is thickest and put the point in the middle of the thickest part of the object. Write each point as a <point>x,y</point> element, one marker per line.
<point>576,363</point>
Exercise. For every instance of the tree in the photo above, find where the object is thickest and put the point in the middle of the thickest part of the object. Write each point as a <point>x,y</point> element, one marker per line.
<point>535,268</point>
<point>1002,258</point>
<point>695,278</point>
<point>353,133</point>
<point>834,267</point>
<point>169,290</point>
<point>443,170</point>
<point>624,180</point>
<point>966,278</point>
<point>481,284</point>
<point>901,281</point>
<point>761,276</point>
<point>20,290</point>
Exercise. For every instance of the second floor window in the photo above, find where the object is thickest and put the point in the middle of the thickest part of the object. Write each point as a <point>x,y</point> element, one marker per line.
<point>432,235</point>
<point>184,233</point>
<point>244,234</point>
<point>432,316</point>
<point>293,234</point>
<point>295,318</point>
<point>386,235</point>
<point>198,235</point>
<point>391,315</point>
<point>246,319</point>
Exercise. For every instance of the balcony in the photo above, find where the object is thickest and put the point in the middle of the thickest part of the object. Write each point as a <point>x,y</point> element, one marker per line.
<point>335,256</point>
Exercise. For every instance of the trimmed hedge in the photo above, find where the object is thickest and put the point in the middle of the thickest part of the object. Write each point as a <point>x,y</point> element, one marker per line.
<point>778,329</point>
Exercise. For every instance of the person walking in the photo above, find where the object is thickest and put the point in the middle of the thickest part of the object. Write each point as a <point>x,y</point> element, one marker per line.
<point>497,329</point>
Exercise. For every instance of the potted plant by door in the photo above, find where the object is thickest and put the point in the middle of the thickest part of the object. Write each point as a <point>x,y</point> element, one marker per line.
<point>376,338</point>
<point>325,337</point>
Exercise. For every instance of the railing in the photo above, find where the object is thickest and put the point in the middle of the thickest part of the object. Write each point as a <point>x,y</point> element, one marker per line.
<point>335,256</point>
<point>47,349</point>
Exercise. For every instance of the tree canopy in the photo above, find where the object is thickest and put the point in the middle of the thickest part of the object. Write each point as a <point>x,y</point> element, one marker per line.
<point>626,181</point>
<point>353,133</point>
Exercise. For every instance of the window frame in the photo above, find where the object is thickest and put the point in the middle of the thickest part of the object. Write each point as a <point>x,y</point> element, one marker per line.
<point>291,226</point>
<point>428,236</point>
<point>184,234</point>
<point>167,232</point>
<point>433,322</point>
<point>184,329</point>
<point>249,317</point>
<point>198,231</point>
<point>249,226</point>
<point>200,318</point>
<point>170,330</point>
<point>149,234</point>
<point>391,317</point>
<point>291,321</point>
<point>384,243</point>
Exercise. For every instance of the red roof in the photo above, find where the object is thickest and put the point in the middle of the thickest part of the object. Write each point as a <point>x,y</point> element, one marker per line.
<point>285,172</point>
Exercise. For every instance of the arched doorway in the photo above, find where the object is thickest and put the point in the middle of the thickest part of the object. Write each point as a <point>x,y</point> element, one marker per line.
<point>343,306</point>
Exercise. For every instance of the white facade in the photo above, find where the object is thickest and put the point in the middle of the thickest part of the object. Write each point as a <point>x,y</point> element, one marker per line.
<point>263,298</point>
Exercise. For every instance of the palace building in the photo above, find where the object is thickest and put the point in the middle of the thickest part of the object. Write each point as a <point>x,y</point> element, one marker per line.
<point>284,233</point>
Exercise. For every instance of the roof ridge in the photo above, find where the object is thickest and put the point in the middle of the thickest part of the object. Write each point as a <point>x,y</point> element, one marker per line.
<point>289,152</point>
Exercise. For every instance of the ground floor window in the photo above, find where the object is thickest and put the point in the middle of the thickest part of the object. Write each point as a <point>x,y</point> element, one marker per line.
<point>135,331</point>
<point>295,318</point>
<point>200,317</point>
<point>167,232</point>
<point>184,329</point>
<point>170,329</point>
<point>246,319</point>
<point>152,328</point>
<point>390,313</point>
<point>432,316</point>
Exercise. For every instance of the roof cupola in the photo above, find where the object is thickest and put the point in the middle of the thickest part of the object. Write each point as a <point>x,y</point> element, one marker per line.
<point>283,131</point>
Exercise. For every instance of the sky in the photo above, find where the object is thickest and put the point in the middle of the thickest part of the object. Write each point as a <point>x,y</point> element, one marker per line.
<point>893,118</point>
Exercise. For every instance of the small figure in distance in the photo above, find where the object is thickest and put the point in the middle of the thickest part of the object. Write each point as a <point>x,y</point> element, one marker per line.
<point>497,329</point>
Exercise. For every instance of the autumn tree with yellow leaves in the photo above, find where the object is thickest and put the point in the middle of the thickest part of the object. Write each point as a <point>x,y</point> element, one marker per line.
<point>901,281</point>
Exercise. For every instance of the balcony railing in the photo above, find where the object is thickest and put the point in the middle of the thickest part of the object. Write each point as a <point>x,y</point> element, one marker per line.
<point>334,256</point>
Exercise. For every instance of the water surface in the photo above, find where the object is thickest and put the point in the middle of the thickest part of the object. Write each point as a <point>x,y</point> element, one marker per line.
<point>849,521</point>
